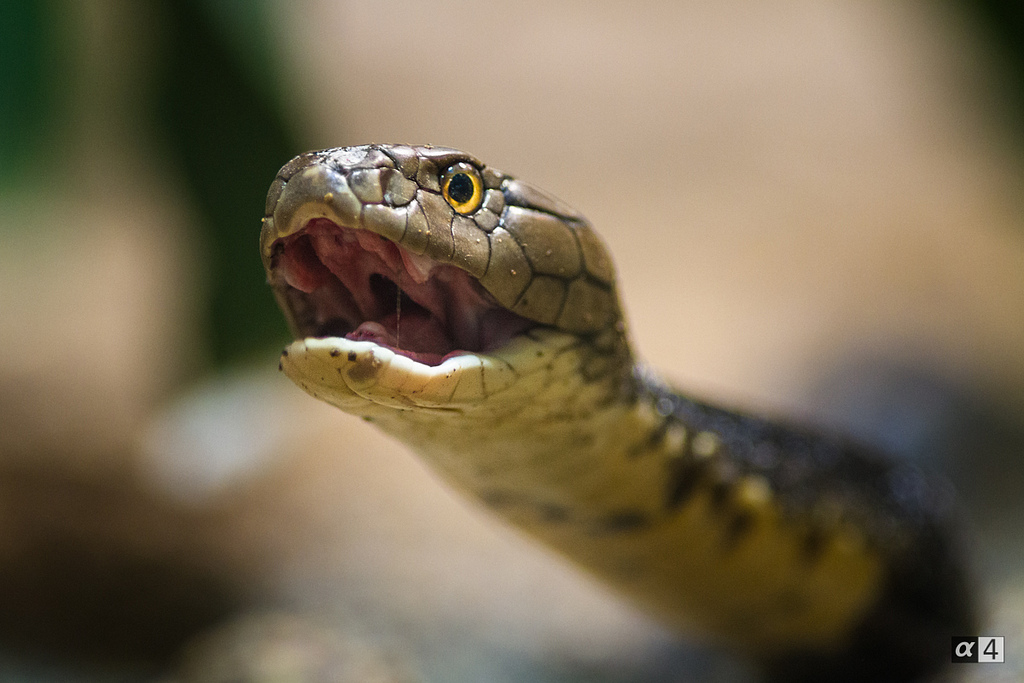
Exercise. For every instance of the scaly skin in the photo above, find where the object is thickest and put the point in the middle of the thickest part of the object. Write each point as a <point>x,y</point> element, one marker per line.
<point>821,559</point>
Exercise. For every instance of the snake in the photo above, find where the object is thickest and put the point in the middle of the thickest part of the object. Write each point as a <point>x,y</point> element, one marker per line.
<point>475,318</point>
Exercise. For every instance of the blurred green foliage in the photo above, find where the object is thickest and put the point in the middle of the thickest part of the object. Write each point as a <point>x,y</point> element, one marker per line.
<point>29,84</point>
<point>216,108</point>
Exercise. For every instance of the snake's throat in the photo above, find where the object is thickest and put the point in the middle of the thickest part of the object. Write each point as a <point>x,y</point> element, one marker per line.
<point>353,283</point>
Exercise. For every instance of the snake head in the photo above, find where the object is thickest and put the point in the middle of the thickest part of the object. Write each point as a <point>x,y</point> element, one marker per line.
<point>427,253</point>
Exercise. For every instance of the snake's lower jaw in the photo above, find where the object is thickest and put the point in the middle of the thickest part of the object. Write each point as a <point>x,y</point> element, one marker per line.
<point>363,377</point>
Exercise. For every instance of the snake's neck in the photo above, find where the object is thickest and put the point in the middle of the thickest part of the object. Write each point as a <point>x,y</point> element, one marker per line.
<point>564,443</point>
<point>646,489</point>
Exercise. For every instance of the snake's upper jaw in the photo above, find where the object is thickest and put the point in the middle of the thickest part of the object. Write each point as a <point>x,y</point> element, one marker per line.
<point>336,281</point>
<point>359,244</point>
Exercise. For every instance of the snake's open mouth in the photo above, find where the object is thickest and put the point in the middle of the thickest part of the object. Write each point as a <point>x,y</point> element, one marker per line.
<point>355,284</point>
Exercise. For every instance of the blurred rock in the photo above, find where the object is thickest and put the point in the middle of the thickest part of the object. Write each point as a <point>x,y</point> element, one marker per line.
<point>287,648</point>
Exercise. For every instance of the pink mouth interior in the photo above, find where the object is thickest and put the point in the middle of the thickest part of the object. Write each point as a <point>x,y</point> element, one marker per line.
<point>356,284</point>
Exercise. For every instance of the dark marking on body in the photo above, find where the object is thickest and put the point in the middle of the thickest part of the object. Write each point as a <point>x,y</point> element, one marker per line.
<point>335,353</point>
<point>720,494</point>
<point>813,546</point>
<point>285,353</point>
<point>738,527</point>
<point>653,440</point>
<point>553,512</point>
<point>363,371</point>
<point>622,521</point>
<point>648,445</point>
<point>544,511</point>
<point>683,476</point>
<point>497,499</point>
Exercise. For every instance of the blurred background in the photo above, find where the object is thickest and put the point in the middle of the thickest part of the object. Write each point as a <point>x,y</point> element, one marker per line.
<point>817,210</point>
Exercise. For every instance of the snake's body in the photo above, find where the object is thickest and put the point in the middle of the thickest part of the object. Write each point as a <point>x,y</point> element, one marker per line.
<point>475,318</point>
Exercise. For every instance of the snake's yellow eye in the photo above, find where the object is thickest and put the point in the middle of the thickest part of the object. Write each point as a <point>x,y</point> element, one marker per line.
<point>462,187</point>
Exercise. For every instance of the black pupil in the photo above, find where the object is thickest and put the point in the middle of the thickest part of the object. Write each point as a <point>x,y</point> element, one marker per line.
<point>460,188</point>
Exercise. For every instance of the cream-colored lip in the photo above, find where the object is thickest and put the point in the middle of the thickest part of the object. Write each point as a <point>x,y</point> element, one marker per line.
<point>348,373</point>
